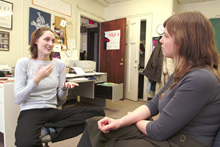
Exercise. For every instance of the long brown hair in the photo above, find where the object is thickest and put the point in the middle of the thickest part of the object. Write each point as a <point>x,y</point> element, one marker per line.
<point>194,43</point>
<point>34,36</point>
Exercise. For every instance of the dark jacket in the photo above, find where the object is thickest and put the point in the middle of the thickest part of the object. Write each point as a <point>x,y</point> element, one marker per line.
<point>153,69</point>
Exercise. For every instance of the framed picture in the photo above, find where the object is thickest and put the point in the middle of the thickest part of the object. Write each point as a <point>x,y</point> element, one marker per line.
<point>4,41</point>
<point>6,12</point>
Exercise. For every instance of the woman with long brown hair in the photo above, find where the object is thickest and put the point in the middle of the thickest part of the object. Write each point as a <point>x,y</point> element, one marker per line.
<point>188,105</point>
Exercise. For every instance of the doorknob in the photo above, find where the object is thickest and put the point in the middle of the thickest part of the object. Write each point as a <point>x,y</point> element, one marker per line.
<point>121,64</point>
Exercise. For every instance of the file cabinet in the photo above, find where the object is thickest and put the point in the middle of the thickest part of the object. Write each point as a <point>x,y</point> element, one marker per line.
<point>9,112</point>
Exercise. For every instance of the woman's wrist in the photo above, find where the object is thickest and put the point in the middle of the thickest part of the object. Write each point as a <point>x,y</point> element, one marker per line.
<point>64,89</point>
<point>36,81</point>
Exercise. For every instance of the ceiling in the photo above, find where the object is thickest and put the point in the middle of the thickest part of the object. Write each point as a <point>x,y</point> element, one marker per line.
<point>106,3</point>
<point>115,1</point>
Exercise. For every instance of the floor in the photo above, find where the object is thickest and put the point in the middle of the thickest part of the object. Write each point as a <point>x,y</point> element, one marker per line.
<point>115,110</point>
<point>112,109</point>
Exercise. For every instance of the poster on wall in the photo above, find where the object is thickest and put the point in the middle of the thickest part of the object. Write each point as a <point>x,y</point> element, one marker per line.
<point>112,40</point>
<point>37,19</point>
<point>4,41</point>
<point>6,12</point>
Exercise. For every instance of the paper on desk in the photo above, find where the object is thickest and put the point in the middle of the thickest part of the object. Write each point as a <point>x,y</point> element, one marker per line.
<point>79,71</point>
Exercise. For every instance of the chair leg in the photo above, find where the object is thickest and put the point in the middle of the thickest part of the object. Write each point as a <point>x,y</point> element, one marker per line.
<point>46,139</point>
<point>46,145</point>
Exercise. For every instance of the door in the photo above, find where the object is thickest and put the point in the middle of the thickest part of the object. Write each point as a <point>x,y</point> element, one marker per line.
<point>112,61</point>
<point>132,53</point>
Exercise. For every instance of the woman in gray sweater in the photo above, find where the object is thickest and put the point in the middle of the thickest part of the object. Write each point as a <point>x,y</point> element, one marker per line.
<point>40,86</point>
<point>188,105</point>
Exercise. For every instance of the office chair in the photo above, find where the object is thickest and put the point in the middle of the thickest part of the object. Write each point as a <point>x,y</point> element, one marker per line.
<point>45,135</point>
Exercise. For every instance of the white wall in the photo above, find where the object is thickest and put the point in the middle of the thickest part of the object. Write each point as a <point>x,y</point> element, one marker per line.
<point>175,6</point>
<point>19,34</point>
<point>9,57</point>
<point>160,10</point>
<point>210,9</point>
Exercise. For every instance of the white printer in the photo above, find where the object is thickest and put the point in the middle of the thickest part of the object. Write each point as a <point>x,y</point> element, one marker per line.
<point>87,65</point>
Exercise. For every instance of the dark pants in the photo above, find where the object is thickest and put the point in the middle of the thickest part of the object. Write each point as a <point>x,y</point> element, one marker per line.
<point>130,136</point>
<point>69,123</point>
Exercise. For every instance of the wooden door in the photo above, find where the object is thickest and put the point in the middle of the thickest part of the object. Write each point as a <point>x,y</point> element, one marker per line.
<point>112,61</point>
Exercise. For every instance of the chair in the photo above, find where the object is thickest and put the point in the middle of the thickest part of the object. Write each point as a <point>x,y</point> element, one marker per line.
<point>45,135</point>
<point>217,140</point>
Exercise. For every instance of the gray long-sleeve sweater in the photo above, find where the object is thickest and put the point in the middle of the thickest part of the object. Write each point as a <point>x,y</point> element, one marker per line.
<point>191,107</point>
<point>47,93</point>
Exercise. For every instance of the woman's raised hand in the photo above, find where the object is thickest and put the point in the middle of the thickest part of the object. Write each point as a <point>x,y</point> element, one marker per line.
<point>42,72</point>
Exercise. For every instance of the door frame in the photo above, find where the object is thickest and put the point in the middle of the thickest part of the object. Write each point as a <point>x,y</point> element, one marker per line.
<point>88,15</point>
<point>90,45</point>
<point>148,47</point>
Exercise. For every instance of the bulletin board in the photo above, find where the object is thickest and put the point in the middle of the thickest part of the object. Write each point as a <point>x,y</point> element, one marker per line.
<point>60,31</point>
<point>216,27</point>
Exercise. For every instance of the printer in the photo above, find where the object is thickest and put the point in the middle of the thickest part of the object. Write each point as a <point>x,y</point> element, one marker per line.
<point>82,71</point>
<point>86,65</point>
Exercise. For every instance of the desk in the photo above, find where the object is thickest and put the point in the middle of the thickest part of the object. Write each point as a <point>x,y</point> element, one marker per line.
<point>86,83</point>
<point>9,112</point>
<point>86,89</point>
